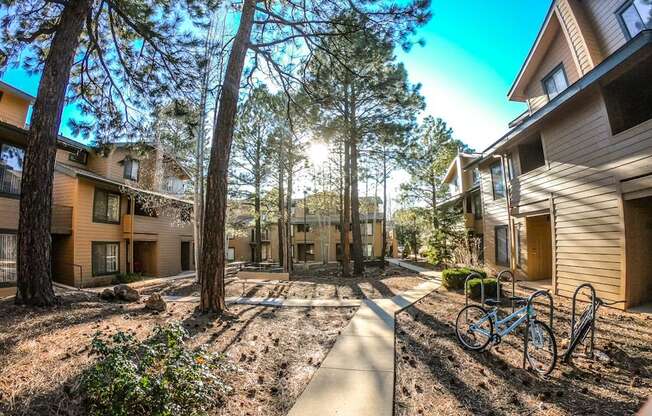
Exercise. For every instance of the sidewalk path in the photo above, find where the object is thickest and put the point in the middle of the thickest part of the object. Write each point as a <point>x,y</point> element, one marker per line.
<point>289,302</point>
<point>357,376</point>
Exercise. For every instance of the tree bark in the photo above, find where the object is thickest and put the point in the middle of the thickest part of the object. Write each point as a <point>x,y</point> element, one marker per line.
<point>281,212</point>
<point>382,253</point>
<point>34,271</point>
<point>212,262</point>
<point>346,213</point>
<point>258,249</point>
<point>288,224</point>
<point>358,262</point>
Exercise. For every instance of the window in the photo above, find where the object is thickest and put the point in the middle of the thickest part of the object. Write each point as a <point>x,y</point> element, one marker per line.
<point>497,182</point>
<point>511,173</point>
<point>519,246</point>
<point>105,258</point>
<point>8,251</point>
<point>555,82</point>
<point>477,206</point>
<point>131,169</point>
<point>230,254</point>
<point>11,169</point>
<point>635,16</point>
<point>174,185</point>
<point>475,175</point>
<point>530,154</point>
<point>303,227</point>
<point>502,245</point>
<point>370,228</point>
<point>629,97</point>
<point>106,207</point>
<point>143,210</point>
<point>468,203</point>
<point>370,250</point>
<point>80,156</point>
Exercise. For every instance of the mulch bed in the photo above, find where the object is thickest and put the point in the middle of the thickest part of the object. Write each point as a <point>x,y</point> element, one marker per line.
<point>436,376</point>
<point>275,351</point>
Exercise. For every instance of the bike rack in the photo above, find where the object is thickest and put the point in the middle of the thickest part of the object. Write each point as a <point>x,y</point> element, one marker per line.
<point>530,300</point>
<point>592,312</point>
<point>466,291</point>
<point>499,286</point>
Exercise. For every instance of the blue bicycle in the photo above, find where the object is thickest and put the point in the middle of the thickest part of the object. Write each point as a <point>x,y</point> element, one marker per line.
<point>477,328</point>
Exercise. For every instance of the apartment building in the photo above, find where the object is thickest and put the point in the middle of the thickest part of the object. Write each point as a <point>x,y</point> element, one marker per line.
<point>315,238</point>
<point>567,192</point>
<point>116,209</point>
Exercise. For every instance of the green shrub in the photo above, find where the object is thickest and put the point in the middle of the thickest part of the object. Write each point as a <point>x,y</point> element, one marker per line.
<point>158,376</point>
<point>453,279</point>
<point>128,277</point>
<point>475,290</point>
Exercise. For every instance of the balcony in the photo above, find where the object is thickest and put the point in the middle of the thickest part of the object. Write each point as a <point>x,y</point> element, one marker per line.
<point>61,220</point>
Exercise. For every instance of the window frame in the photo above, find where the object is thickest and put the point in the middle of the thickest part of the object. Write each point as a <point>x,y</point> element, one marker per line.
<point>496,228</point>
<point>229,250</point>
<point>550,75</point>
<point>14,233</point>
<point>105,220</point>
<point>24,149</point>
<point>623,26</point>
<point>477,209</point>
<point>502,179</point>
<point>96,243</point>
<point>72,156</point>
<point>128,163</point>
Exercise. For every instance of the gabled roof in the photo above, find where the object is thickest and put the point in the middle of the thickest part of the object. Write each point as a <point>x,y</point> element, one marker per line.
<point>545,37</point>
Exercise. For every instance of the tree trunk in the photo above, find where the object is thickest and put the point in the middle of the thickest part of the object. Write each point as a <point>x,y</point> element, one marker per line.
<point>382,253</point>
<point>212,262</point>
<point>288,224</point>
<point>346,213</point>
<point>435,221</point>
<point>258,251</point>
<point>358,262</point>
<point>281,212</point>
<point>34,271</point>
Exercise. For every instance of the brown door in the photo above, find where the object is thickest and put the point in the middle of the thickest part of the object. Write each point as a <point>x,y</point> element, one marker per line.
<point>185,255</point>
<point>539,247</point>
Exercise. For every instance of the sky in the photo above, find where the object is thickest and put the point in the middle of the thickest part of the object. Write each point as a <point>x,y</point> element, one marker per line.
<point>473,51</point>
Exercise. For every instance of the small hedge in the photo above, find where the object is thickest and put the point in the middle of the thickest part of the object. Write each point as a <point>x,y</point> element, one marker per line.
<point>128,277</point>
<point>453,279</point>
<point>159,376</point>
<point>475,290</point>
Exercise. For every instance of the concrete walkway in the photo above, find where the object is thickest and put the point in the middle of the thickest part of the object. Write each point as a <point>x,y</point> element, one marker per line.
<point>357,376</point>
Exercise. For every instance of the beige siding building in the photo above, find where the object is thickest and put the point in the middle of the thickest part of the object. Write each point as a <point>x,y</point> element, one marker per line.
<point>567,193</point>
<point>116,209</point>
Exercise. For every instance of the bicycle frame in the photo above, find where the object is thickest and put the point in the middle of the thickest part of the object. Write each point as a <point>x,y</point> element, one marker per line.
<point>502,329</point>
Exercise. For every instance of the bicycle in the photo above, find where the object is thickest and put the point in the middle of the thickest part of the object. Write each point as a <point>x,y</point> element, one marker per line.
<point>484,328</point>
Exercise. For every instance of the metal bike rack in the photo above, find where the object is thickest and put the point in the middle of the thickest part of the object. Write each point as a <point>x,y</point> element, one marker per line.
<point>530,300</point>
<point>499,286</point>
<point>466,291</point>
<point>574,332</point>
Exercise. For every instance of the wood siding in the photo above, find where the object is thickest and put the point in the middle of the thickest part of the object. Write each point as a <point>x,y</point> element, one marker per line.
<point>602,16</point>
<point>13,109</point>
<point>558,53</point>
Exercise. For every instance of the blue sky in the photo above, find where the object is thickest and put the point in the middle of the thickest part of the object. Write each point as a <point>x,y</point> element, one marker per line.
<point>473,52</point>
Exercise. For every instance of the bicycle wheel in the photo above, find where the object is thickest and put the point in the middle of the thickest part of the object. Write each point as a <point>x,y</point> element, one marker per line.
<point>541,348</point>
<point>474,328</point>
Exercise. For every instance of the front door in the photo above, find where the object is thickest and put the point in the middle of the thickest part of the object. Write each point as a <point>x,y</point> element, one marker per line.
<point>185,255</point>
<point>539,247</point>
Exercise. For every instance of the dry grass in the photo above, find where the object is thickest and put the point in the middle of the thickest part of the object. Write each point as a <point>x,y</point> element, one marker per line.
<point>276,351</point>
<point>436,376</point>
<point>322,282</point>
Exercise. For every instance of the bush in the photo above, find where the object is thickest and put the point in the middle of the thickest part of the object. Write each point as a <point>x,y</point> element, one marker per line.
<point>158,376</point>
<point>128,277</point>
<point>453,279</point>
<point>475,290</point>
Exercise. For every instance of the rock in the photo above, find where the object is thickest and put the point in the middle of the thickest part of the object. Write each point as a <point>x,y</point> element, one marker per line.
<point>601,356</point>
<point>126,293</point>
<point>107,294</point>
<point>156,303</point>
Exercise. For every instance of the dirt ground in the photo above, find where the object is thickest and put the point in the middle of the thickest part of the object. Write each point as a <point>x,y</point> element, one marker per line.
<point>275,350</point>
<point>321,282</point>
<point>435,376</point>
